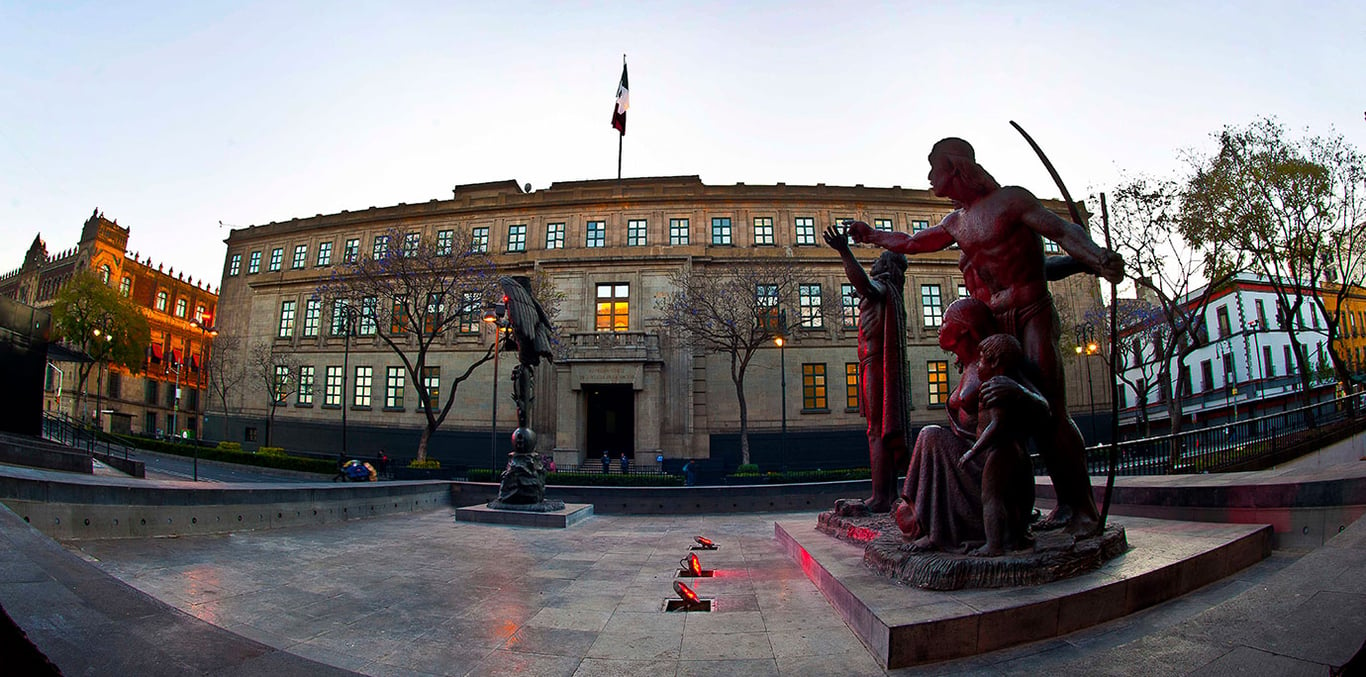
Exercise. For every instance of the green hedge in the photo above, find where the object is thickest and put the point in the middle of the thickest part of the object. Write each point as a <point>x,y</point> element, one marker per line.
<point>795,476</point>
<point>425,464</point>
<point>588,479</point>
<point>227,455</point>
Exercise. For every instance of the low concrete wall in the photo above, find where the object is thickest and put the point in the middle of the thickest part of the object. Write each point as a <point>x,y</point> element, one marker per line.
<point>685,500</point>
<point>38,453</point>
<point>74,510</point>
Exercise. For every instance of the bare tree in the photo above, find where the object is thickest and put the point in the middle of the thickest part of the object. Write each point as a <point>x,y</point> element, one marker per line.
<point>408,293</point>
<point>1289,207</point>
<point>225,369</point>
<point>738,307</point>
<point>277,373</point>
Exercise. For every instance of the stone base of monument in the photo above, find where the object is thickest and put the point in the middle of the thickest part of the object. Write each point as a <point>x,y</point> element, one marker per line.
<point>567,515</point>
<point>903,625</point>
<point>1055,555</point>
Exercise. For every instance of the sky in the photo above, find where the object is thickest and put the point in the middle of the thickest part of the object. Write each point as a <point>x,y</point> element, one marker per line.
<point>184,120</point>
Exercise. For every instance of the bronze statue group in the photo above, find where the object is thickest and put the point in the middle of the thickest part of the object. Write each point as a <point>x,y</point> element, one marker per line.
<point>969,483</point>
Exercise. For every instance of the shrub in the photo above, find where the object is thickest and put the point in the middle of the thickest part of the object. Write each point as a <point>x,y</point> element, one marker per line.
<point>230,446</point>
<point>747,469</point>
<point>272,451</point>
<point>230,455</point>
<point>480,475</point>
<point>424,464</point>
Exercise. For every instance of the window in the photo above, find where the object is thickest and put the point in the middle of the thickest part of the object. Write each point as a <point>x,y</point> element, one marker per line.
<point>884,225</point>
<point>851,387</point>
<point>304,397</point>
<point>300,256</point>
<point>351,251</point>
<point>813,386</point>
<point>398,318</point>
<point>962,291</point>
<point>848,307</point>
<point>1221,318</point>
<point>809,303</point>
<point>806,230</point>
<point>411,242</point>
<point>162,298</point>
<point>1230,375</point>
<point>149,391</point>
<point>918,225</point>
<point>1206,376</point>
<point>105,272</point>
<point>280,384</point>
<point>313,311</point>
<point>1261,314</point>
<point>678,231</point>
<point>554,236</point>
<point>115,385</point>
<point>445,242</point>
<point>286,319</point>
<point>369,309</point>
<point>277,259</point>
<point>597,234</point>
<point>1267,364</point>
<point>1289,362</point>
<point>436,307</point>
<point>379,249</point>
<point>470,317</point>
<point>1051,247</point>
<point>938,373</point>
<point>613,307</point>
<point>720,230</point>
<point>341,318</point>
<point>636,235</point>
<point>181,307</point>
<point>517,238</point>
<point>360,393</point>
<point>766,306</point>
<point>431,378</point>
<point>393,388</point>
<point>763,230</point>
<point>931,305</point>
<point>324,254</point>
<point>234,265</point>
<point>332,387</point>
<point>254,263</point>
<point>480,240</point>
<point>199,311</point>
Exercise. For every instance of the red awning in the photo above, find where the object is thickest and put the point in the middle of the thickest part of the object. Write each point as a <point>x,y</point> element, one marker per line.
<point>175,356</point>
<point>156,351</point>
<point>194,361</point>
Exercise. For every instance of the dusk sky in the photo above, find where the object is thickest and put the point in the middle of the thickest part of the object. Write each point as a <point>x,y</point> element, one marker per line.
<point>172,117</point>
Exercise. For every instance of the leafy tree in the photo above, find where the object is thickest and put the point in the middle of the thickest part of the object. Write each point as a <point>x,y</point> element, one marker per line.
<point>1292,208</point>
<point>1147,216</point>
<point>103,324</point>
<point>277,373</point>
<point>737,308</point>
<point>410,292</point>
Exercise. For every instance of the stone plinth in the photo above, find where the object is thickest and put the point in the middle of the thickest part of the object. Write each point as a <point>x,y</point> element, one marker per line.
<point>571,514</point>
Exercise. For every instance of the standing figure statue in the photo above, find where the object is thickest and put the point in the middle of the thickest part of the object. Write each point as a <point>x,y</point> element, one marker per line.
<point>883,382</point>
<point>523,481</point>
<point>1000,230</point>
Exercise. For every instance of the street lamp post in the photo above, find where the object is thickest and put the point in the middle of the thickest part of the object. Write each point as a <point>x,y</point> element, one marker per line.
<point>1085,333</point>
<point>495,316</point>
<point>175,399</point>
<point>99,378</point>
<point>1256,326</point>
<point>781,341</point>
<point>349,328</point>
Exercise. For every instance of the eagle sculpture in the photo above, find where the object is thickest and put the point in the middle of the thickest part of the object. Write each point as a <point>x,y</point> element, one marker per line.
<point>531,328</point>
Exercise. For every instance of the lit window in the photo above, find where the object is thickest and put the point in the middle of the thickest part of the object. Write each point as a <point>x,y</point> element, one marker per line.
<point>918,225</point>
<point>313,311</point>
<point>848,306</point>
<point>636,233</point>
<point>962,291</point>
<point>597,234</point>
<point>436,307</point>
<point>300,256</point>
<point>234,265</point>
<point>332,387</point>
<point>199,311</point>
<point>932,305</point>
<point>431,378</point>
<point>480,240</point>
<point>360,396</point>
<point>351,251</point>
<point>884,225</point>
<point>470,312</point>
<point>720,230</point>
<point>277,259</point>
<point>809,302</point>
<point>554,236</point>
<point>813,386</point>
<point>678,231</point>
<point>1051,247</point>
<point>517,238</point>
<point>613,307</point>
<point>938,372</point>
<point>324,254</point>
<point>806,230</point>
<point>126,286</point>
<point>763,230</point>
<point>254,263</point>
<point>181,307</point>
<point>379,249</point>
<point>766,306</point>
<point>398,318</point>
<point>445,242</point>
<point>280,385</point>
<point>851,389</point>
<point>393,388</point>
<point>305,394</point>
<point>286,319</point>
<point>162,299</point>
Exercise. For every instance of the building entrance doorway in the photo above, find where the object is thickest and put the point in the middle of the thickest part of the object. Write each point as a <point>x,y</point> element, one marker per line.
<point>611,420</point>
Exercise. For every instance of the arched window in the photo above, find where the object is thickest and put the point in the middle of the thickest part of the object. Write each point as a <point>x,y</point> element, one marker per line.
<point>104,273</point>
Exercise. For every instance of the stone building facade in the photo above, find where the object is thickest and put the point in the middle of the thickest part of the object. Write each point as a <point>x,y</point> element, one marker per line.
<point>178,309</point>
<point>622,384</point>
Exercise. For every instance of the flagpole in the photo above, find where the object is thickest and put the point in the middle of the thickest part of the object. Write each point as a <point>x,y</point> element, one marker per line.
<point>622,135</point>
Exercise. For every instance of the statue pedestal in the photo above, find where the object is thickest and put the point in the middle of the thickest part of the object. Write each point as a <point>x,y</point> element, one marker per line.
<point>567,516</point>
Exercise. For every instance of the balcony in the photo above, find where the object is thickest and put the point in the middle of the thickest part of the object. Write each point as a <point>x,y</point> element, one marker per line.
<point>610,346</point>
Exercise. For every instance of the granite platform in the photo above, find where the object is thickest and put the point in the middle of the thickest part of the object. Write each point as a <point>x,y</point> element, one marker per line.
<point>568,516</point>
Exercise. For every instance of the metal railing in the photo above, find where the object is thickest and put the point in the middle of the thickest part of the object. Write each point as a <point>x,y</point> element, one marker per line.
<point>1241,445</point>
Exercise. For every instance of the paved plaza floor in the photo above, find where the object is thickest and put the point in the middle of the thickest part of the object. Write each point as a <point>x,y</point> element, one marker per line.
<point>424,594</point>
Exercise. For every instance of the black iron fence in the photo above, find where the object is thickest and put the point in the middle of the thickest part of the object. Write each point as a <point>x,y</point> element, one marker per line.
<point>1251,444</point>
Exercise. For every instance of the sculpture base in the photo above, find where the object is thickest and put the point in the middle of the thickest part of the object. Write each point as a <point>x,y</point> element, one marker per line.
<point>567,516</point>
<point>543,506</point>
<point>1055,556</point>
